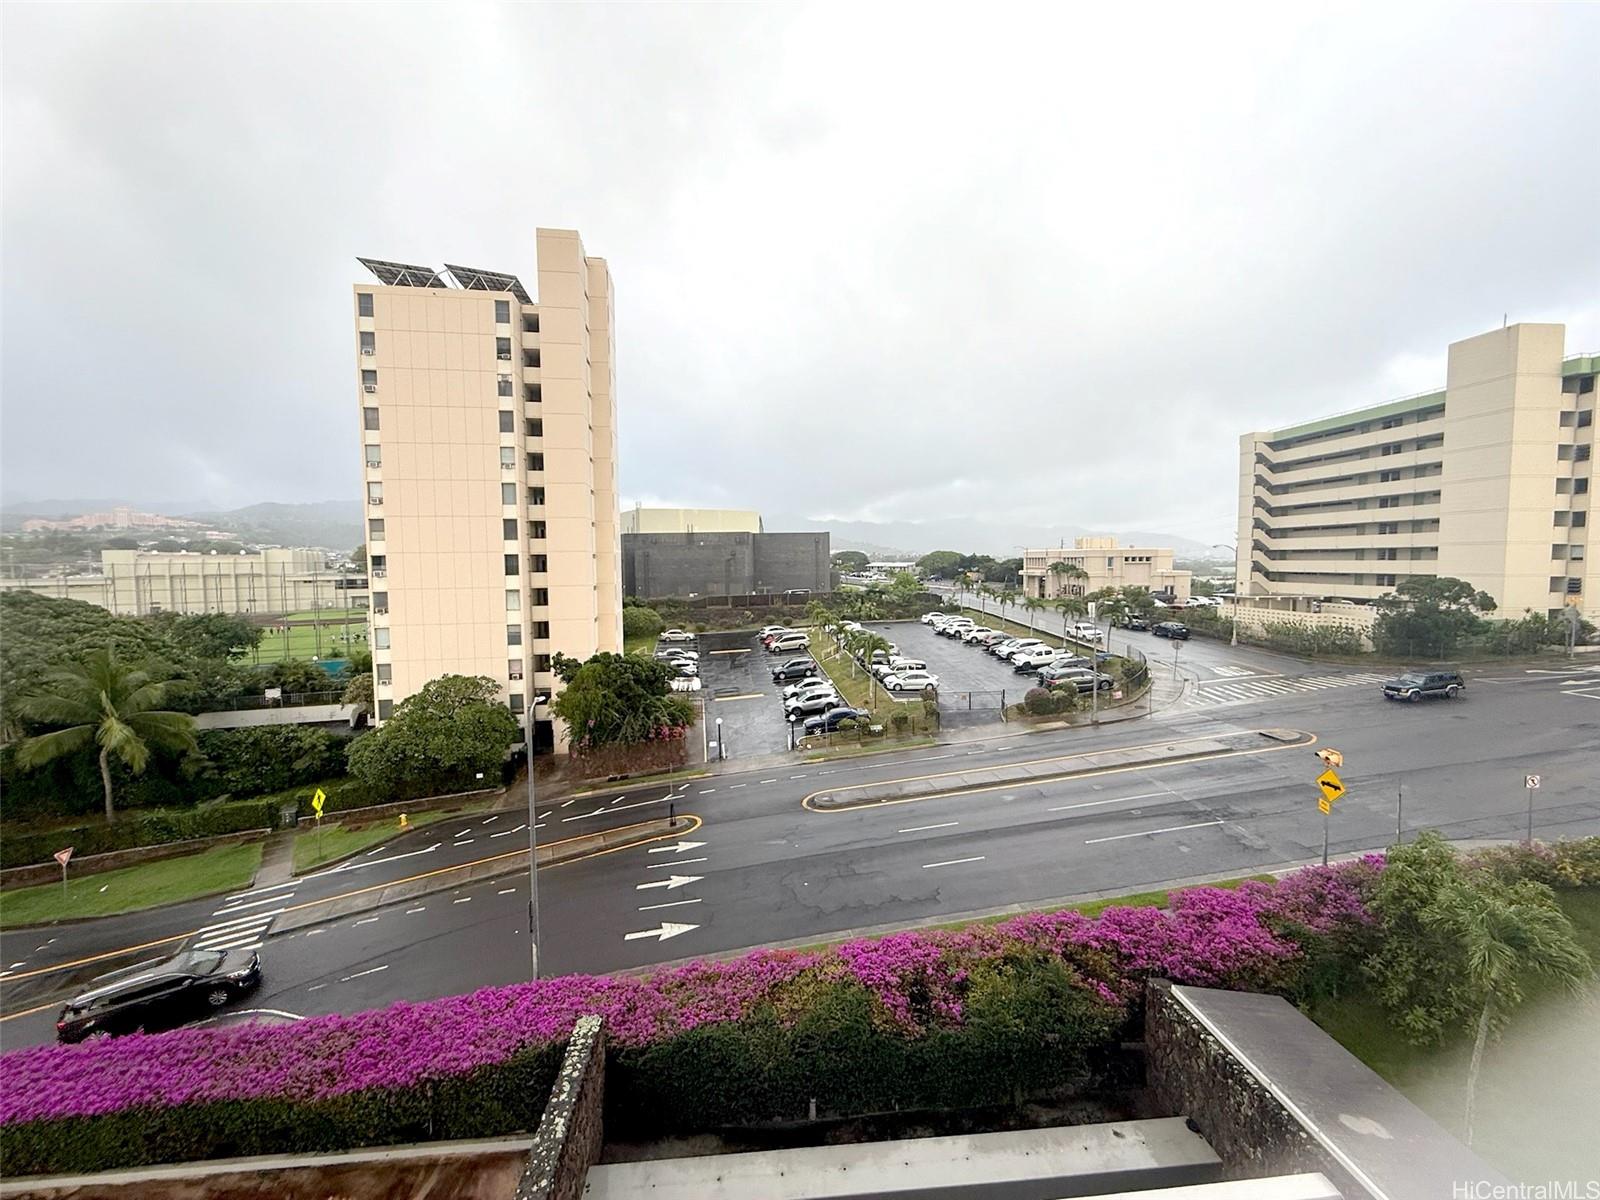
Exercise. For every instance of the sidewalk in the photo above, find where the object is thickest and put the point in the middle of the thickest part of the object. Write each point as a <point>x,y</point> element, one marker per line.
<point>277,859</point>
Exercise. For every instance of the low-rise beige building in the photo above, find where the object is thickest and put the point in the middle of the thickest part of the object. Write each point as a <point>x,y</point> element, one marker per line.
<point>690,520</point>
<point>1486,479</point>
<point>136,583</point>
<point>1105,565</point>
<point>488,440</point>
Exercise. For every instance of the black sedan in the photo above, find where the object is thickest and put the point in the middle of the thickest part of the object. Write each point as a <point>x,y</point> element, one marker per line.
<point>1171,629</point>
<point>829,721</point>
<point>160,995</point>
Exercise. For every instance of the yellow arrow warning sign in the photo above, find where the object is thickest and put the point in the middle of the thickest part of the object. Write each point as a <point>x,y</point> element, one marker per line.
<point>1332,786</point>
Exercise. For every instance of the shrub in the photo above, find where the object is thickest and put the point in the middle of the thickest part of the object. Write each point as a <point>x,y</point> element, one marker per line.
<point>901,720</point>
<point>639,621</point>
<point>1039,702</point>
<point>251,762</point>
<point>153,828</point>
<point>1064,700</point>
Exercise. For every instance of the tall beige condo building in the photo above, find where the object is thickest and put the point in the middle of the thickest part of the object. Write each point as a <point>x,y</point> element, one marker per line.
<point>1487,479</point>
<point>488,433</point>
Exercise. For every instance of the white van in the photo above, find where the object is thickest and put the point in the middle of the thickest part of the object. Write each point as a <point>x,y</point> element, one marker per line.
<point>790,642</point>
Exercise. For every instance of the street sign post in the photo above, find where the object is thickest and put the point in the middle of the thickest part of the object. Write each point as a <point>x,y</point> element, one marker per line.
<point>1332,788</point>
<point>63,857</point>
<point>1530,784</point>
<point>317,801</point>
<point>1330,757</point>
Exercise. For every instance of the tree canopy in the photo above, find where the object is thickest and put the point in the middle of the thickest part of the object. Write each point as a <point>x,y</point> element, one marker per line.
<point>438,740</point>
<point>940,564</point>
<point>850,560</point>
<point>1429,615</point>
<point>618,699</point>
<point>209,635</point>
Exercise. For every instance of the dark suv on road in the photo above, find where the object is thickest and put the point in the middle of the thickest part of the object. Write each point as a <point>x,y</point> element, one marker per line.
<point>1430,683</point>
<point>160,995</point>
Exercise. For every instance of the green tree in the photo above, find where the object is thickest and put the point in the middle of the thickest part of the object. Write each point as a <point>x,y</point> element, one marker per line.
<point>619,699</point>
<point>1005,597</point>
<point>102,701</point>
<point>359,689</point>
<point>1065,571</point>
<point>641,622</point>
<point>904,586</point>
<point>1429,615</point>
<point>1033,605</point>
<point>438,740</point>
<point>1113,608</point>
<point>359,557</point>
<point>864,644</point>
<point>1139,601</point>
<point>850,560</point>
<point>940,564</point>
<point>209,635</point>
<point>1071,608</point>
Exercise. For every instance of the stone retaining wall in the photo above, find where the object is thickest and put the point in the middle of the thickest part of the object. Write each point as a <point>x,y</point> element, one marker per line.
<point>570,1133</point>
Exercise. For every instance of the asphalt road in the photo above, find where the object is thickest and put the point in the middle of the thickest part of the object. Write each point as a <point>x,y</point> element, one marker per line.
<point>762,869</point>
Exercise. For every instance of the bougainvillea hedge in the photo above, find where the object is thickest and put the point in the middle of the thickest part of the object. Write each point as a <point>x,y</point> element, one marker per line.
<point>939,1018</point>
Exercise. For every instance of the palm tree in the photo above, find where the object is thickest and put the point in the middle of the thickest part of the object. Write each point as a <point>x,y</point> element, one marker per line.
<point>103,702</point>
<point>866,643</point>
<point>1033,604</point>
<point>1007,596</point>
<point>1069,607</point>
<point>1508,934</point>
<point>1114,607</point>
<point>1064,571</point>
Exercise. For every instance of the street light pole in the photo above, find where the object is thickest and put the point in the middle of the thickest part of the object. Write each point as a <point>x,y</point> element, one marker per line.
<point>533,851</point>
<point>1234,640</point>
<point>722,750</point>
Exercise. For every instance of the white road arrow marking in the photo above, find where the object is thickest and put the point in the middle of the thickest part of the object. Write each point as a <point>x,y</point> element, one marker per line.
<point>670,882</point>
<point>677,849</point>
<point>669,929</point>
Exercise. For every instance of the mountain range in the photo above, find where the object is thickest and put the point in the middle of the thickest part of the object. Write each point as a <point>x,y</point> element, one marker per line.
<point>912,539</point>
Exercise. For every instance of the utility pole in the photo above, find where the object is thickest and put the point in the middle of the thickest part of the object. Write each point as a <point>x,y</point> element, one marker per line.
<point>533,849</point>
<point>1399,808</point>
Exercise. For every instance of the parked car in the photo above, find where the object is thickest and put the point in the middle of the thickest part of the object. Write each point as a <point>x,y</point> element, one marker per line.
<point>976,632</point>
<point>928,618</point>
<point>667,653</point>
<point>1171,629</point>
<point>897,663</point>
<point>910,681</point>
<point>1020,646</point>
<point>815,683</point>
<point>684,683</point>
<point>789,642</point>
<point>852,626</point>
<point>684,666</point>
<point>812,702</point>
<point>773,635</point>
<point>1028,662</point>
<point>1085,681</point>
<point>160,995</point>
<point>1136,623</point>
<point>795,668</point>
<point>951,629</point>
<point>676,635</point>
<point>1085,631</point>
<point>1426,683</point>
<point>829,721</point>
<point>991,638</point>
<point>1063,666</point>
<point>769,630</point>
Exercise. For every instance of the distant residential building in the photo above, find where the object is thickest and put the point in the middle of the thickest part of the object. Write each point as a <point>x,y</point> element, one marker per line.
<point>724,564</point>
<point>486,424</point>
<point>136,583</point>
<point>1486,479</point>
<point>690,520</point>
<point>121,517</point>
<point>1106,565</point>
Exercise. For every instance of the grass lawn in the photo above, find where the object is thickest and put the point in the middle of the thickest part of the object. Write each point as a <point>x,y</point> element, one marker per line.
<point>338,634</point>
<point>338,840</point>
<point>1044,632</point>
<point>222,869</point>
<point>852,685</point>
<point>639,643</point>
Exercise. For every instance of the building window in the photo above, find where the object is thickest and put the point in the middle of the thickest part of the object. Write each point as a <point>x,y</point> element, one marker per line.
<point>530,322</point>
<point>1388,501</point>
<point>530,358</point>
<point>375,492</point>
<point>508,529</point>
<point>508,493</point>
<point>1580,453</point>
<point>535,462</point>
<point>541,596</point>
<point>1393,422</point>
<point>1579,518</point>
<point>374,455</point>
<point>385,672</point>
<point>1574,587</point>
<point>541,629</point>
<point>533,393</point>
<point>1388,476</point>
<point>516,702</point>
<point>379,564</point>
<point>535,495</point>
<point>369,381</point>
<point>1388,526</point>
<point>513,564</point>
<point>1575,553</point>
<point>380,602</point>
<point>1390,554</point>
<point>533,427</point>
<point>541,662</point>
<point>502,349</point>
<point>513,635</point>
<point>1563,517</point>
<point>369,344</point>
<point>1558,551</point>
<point>536,530</point>
<point>364,303</point>
<point>540,564</point>
<point>1558,583</point>
<point>514,668</point>
<point>1580,487</point>
<point>385,709</point>
<point>1585,419</point>
<point>502,312</point>
<point>369,420</point>
<point>508,458</point>
<point>1563,486</point>
<point>503,387</point>
<point>508,423</point>
<point>375,529</point>
<point>513,600</point>
<point>380,638</point>
<point>1386,580</point>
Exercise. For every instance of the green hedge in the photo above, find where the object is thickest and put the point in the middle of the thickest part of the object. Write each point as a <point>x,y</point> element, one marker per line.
<point>341,793</point>
<point>139,829</point>
<point>488,1102</point>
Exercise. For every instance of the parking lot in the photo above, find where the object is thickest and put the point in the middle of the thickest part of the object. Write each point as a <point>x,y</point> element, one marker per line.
<point>962,669</point>
<point>736,685</point>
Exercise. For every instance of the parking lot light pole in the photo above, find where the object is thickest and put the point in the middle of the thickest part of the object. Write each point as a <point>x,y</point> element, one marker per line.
<point>722,749</point>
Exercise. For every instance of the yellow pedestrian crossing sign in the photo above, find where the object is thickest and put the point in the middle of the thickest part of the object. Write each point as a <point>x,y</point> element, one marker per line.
<point>317,801</point>
<point>1332,786</point>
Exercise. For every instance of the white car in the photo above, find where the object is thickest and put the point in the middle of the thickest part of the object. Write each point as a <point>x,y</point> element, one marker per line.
<point>852,626</point>
<point>973,634</point>
<point>911,681</point>
<point>955,628</point>
<point>813,684</point>
<point>767,630</point>
<point>929,618</point>
<point>1039,656</point>
<point>786,643</point>
<point>1085,631</point>
<point>676,635</point>
<point>684,683</point>
<point>1020,646</point>
<point>898,663</point>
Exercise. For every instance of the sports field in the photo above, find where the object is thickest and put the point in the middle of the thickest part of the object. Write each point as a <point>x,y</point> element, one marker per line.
<point>328,634</point>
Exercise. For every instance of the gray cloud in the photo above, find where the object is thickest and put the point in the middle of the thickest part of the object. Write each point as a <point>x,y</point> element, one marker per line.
<point>1039,264</point>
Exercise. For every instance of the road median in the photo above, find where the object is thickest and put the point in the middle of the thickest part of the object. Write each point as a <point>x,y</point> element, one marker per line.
<point>1045,770</point>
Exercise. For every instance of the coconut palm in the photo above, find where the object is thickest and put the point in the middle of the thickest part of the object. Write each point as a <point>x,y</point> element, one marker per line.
<point>1070,608</point>
<point>866,643</point>
<point>1006,596</point>
<point>105,702</point>
<point>1064,571</point>
<point>1509,935</point>
<point>1033,604</point>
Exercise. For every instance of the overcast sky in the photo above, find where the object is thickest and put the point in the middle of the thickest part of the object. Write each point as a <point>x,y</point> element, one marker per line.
<point>872,261</point>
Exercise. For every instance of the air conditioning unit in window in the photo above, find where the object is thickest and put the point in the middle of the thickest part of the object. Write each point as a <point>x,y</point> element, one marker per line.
<point>380,612</point>
<point>374,499</point>
<point>504,357</point>
<point>368,350</point>
<point>516,675</point>
<point>369,387</point>
<point>380,572</point>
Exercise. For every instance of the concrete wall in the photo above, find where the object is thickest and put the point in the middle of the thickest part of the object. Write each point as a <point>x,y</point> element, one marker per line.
<point>723,564</point>
<point>691,520</point>
<point>570,1133</point>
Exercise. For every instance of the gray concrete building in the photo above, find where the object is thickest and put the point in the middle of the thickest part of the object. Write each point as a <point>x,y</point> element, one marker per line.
<point>724,564</point>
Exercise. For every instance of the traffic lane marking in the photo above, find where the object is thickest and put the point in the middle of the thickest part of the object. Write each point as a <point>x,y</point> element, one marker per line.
<point>1117,837</point>
<point>954,862</point>
<point>921,828</point>
<point>696,822</point>
<point>1110,800</point>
